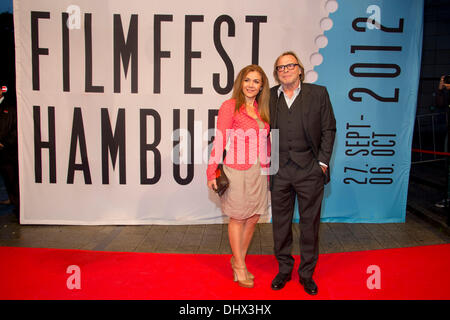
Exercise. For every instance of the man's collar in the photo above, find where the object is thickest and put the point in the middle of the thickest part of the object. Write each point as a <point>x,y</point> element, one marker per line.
<point>296,90</point>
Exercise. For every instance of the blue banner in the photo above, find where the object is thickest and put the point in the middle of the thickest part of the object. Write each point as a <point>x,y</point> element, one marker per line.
<point>371,68</point>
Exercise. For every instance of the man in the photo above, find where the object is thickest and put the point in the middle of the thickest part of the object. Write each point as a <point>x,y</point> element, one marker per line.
<point>304,116</point>
<point>8,147</point>
<point>443,103</point>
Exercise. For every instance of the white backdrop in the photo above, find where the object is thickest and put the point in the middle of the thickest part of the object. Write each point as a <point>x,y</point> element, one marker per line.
<point>58,61</point>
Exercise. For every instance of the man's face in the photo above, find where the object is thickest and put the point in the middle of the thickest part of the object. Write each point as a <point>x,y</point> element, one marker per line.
<point>288,77</point>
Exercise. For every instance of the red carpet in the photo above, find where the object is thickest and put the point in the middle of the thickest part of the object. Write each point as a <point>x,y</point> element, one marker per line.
<point>406,273</point>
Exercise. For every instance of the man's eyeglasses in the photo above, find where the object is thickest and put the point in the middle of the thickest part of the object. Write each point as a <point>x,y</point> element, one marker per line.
<point>289,66</point>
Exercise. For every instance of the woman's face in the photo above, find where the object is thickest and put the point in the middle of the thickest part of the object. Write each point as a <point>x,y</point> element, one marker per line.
<point>252,84</point>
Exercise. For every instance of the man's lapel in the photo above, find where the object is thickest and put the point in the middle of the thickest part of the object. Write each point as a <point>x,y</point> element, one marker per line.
<point>303,104</point>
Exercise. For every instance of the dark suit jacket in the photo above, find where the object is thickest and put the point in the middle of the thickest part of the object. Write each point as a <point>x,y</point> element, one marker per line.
<point>8,134</point>
<point>317,118</point>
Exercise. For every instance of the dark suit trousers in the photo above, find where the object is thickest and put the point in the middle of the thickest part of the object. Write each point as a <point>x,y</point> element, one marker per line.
<point>307,184</point>
<point>10,175</point>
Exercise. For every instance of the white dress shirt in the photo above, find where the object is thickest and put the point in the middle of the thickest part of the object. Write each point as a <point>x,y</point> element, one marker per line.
<point>290,101</point>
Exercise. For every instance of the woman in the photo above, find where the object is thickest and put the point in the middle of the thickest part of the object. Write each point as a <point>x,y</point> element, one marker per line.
<point>244,120</point>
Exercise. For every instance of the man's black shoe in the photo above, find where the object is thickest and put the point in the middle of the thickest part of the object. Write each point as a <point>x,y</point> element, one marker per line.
<point>280,281</point>
<point>309,285</point>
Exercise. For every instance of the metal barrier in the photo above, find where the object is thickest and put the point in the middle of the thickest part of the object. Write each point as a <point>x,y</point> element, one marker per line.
<point>430,135</point>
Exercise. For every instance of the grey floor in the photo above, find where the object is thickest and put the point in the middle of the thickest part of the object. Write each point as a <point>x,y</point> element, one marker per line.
<point>213,239</point>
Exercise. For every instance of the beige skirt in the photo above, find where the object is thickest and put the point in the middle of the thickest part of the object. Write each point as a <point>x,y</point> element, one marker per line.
<point>247,194</point>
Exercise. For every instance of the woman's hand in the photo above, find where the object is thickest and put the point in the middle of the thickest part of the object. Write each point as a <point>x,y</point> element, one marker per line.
<point>212,184</point>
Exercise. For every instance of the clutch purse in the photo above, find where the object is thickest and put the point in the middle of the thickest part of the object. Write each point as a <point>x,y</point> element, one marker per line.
<point>221,180</point>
